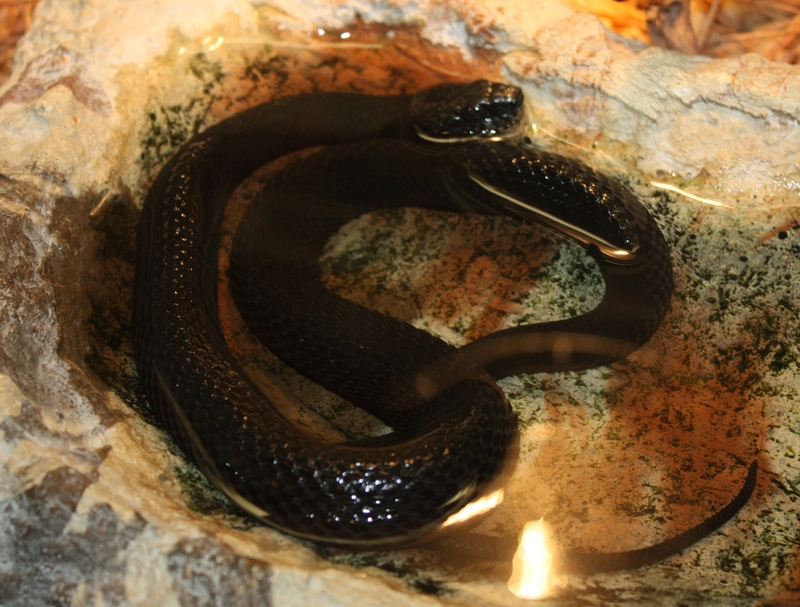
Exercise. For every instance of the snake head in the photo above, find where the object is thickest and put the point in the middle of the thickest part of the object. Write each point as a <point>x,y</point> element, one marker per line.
<point>466,111</point>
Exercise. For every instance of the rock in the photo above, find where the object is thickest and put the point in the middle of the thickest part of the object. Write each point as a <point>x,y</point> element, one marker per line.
<point>96,503</point>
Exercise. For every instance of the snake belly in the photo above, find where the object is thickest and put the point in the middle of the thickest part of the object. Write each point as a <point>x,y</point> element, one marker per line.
<point>454,433</point>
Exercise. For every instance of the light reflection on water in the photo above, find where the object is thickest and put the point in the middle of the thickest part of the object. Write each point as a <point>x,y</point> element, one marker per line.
<point>532,574</point>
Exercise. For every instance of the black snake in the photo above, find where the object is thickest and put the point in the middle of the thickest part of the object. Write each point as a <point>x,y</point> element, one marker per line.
<point>454,434</point>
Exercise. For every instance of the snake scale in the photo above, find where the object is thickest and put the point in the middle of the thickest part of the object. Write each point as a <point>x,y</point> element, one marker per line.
<point>454,435</point>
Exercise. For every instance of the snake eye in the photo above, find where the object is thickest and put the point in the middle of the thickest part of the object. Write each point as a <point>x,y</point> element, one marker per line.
<point>466,111</point>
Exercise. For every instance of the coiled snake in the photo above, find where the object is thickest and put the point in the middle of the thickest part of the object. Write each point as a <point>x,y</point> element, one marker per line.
<point>454,434</point>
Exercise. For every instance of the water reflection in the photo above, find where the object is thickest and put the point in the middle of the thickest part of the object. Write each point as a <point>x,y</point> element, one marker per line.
<point>532,574</point>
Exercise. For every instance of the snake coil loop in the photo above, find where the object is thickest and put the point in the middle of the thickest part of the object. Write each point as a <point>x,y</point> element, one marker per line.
<point>454,434</point>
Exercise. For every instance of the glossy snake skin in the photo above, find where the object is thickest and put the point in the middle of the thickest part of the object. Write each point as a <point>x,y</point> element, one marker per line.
<point>454,435</point>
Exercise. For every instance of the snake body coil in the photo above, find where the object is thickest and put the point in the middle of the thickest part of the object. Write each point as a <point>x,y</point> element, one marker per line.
<point>454,434</point>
